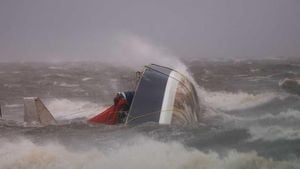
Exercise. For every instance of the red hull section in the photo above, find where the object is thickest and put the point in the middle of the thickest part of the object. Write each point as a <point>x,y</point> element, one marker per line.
<point>110,115</point>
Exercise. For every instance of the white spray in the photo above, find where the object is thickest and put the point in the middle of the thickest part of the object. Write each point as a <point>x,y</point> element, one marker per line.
<point>138,152</point>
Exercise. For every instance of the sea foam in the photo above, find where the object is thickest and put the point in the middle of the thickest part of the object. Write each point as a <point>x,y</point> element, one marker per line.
<point>138,152</point>
<point>228,101</point>
<point>64,109</point>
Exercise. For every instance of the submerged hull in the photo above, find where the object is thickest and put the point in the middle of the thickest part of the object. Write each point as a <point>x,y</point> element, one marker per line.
<point>163,96</point>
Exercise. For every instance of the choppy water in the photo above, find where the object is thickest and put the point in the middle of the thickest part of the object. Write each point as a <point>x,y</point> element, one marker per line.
<point>249,122</point>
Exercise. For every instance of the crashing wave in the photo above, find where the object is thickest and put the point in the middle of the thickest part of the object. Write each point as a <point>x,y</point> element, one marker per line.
<point>291,85</point>
<point>132,153</point>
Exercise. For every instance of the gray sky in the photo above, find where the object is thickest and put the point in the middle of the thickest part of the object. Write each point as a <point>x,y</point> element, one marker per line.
<point>100,29</point>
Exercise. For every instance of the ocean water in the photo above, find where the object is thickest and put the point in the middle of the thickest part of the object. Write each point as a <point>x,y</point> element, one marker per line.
<point>248,120</point>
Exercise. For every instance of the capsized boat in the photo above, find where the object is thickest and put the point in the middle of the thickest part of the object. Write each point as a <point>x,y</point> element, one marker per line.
<point>162,95</point>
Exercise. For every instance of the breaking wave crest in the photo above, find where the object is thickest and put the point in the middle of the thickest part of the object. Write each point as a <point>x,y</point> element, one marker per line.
<point>132,50</point>
<point>286,115</point>
<point>228,101</point>
<point>272,133</point>
<point>63,109</point>
<point>295,114</point>
<point>139,152</point>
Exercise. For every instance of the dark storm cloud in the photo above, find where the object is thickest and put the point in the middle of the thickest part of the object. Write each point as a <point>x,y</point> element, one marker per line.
<point>73,29</point>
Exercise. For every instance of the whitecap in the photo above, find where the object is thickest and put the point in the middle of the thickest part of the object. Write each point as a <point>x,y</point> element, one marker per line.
<point>137,152</point>
<point>65,109</point>
<point>87,78</point>
<point>13,105</point>
<point>227,101</point>
<point>271,133</point>
<point>68,85</point>
<point>291,113</point>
